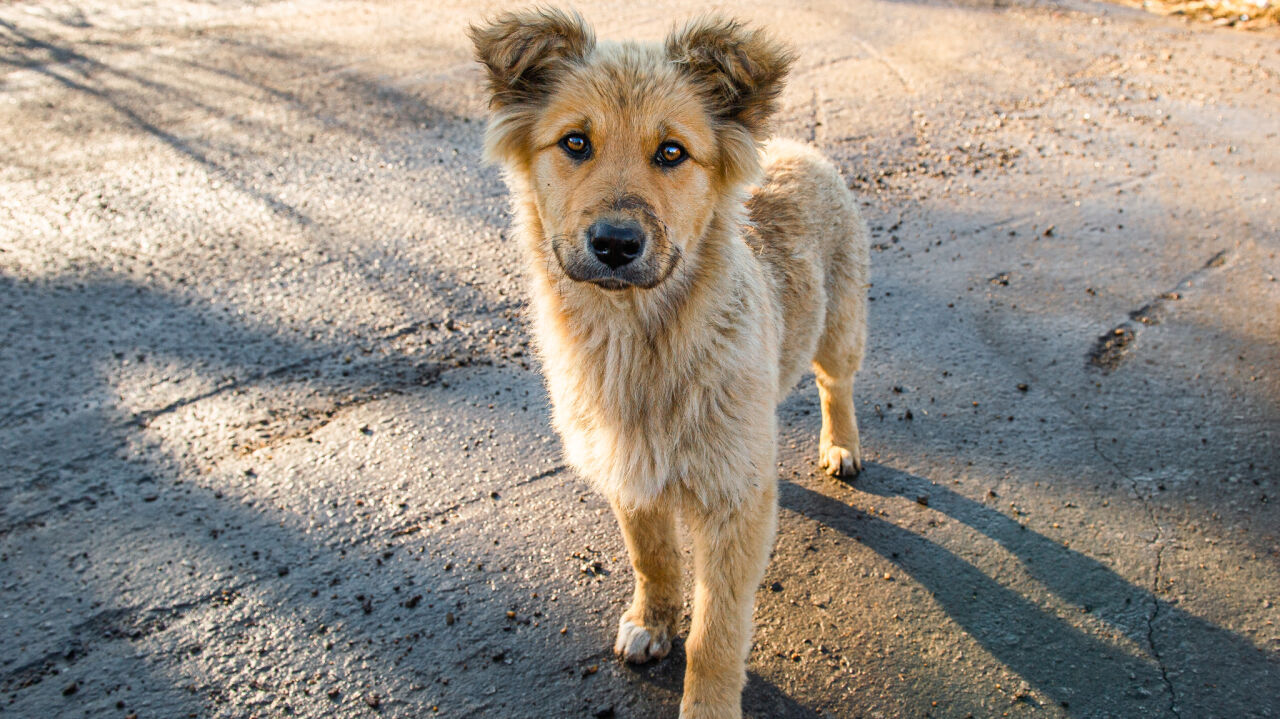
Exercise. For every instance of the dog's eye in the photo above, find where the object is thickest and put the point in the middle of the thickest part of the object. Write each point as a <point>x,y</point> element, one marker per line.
<point>576,145</point>
<point>670,154</point>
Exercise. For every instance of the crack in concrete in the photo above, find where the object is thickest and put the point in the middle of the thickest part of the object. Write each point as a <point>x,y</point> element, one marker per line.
<point>130,623</point>
<point>418,524</point>
<point>37,518</point>
<point>1156,541</point>
<point>1158,544</point>
<point>144,418</point>
<point>1151,636</point>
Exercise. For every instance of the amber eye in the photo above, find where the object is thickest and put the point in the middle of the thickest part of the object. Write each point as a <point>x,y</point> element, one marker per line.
<point>576,145</point>
<point>670,154</point>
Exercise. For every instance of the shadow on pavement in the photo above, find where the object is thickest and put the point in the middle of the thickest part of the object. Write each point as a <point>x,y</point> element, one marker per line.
<point>1086,675</point>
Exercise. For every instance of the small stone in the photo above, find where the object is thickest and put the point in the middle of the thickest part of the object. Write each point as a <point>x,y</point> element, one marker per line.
<point>1022,387</point>
<point>448,618</point>
<point>373,700</point>
<point>775,587</point>
<point>923,500</point>
<point>70,689</point>
<point>588,671</point>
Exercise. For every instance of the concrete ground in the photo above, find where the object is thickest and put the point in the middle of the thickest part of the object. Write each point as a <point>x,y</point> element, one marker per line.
<point>272,442</point>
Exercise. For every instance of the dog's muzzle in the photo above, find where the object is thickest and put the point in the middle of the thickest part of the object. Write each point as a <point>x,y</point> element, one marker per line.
<point>616,253</point>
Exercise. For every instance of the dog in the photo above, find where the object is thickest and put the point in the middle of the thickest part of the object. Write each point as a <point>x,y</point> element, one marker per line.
<point>684,272</point>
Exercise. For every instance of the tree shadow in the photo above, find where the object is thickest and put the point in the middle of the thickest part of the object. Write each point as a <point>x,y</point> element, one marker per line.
<point>345,105</point>
<point>180,570</point>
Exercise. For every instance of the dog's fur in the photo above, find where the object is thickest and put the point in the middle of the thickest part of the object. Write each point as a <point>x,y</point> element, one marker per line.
<point>665,373</point>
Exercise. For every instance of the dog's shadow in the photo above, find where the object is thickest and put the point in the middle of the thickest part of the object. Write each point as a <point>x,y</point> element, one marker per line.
<point>1076,669</point>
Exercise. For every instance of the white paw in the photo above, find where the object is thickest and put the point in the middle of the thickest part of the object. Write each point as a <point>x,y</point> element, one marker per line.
<point>840,462</point>
<point>638,645</point>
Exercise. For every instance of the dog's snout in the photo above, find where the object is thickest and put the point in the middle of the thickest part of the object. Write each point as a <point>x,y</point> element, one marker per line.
<point>615,244</point>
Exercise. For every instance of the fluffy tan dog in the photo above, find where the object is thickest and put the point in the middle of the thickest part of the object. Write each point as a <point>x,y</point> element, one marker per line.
<point>684,274</point>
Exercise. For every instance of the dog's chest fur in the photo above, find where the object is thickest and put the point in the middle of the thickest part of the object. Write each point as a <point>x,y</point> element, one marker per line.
<point>649,396</point>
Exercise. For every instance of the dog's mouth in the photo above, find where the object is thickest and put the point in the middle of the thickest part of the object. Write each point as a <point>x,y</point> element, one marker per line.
<point>611,283</point>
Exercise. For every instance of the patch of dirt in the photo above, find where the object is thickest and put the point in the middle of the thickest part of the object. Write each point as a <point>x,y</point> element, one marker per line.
<point>1112,347</point>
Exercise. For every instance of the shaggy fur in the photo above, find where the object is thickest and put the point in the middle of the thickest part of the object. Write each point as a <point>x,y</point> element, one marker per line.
<point>665,372</point>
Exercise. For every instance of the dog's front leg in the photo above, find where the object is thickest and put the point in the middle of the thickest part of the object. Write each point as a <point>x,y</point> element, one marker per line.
<point>646,629</point>
<point>730,549</point>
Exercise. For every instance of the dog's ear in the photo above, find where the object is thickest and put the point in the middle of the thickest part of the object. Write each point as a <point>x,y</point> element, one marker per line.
<point>523,51</point>
<point>739,70</point>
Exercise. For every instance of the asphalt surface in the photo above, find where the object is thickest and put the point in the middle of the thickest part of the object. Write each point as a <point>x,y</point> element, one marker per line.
<point>272,442</point>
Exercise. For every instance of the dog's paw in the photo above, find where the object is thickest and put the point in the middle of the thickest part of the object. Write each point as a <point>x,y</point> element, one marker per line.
<point>840,462</point>
<point>638,644</point>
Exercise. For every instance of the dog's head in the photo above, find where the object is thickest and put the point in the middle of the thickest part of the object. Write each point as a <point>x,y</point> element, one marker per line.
<point>626,151</point>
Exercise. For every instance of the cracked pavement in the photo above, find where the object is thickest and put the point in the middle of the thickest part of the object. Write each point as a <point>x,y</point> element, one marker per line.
<point>272,440</point>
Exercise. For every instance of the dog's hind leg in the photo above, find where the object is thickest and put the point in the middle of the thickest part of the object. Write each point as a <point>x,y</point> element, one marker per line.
<point>646,629</point>
<point>730,548</point>
<point>838,358</point>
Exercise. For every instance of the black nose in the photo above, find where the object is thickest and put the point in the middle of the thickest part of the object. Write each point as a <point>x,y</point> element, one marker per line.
<point>615,245</point>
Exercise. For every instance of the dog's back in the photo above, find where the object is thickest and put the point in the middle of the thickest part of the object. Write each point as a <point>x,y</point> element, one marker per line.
<point>810,236</point>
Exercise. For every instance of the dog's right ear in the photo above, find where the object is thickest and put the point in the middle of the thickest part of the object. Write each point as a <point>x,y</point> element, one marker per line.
<point>523,53</point>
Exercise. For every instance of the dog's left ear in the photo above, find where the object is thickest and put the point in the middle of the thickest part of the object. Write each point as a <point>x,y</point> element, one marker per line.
<point>740,70</point>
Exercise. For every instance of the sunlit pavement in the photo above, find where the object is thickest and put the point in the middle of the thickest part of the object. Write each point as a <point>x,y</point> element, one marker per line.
<point>273,441</point>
